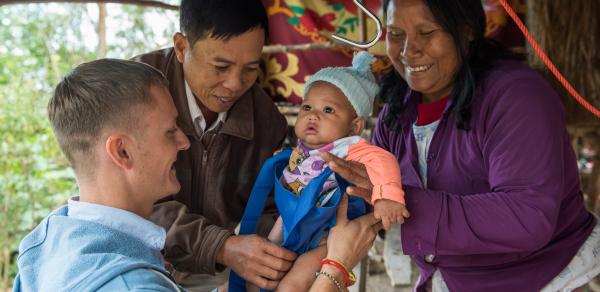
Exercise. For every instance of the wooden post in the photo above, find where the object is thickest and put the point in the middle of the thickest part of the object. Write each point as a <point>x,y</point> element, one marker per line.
<point>102,47</point>
<point>364,264</point>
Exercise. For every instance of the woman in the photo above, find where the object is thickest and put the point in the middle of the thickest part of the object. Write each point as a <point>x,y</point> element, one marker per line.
<point>490,177</point>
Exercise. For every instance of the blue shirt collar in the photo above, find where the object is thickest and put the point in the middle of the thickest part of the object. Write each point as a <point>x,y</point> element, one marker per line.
<point>152,235</point>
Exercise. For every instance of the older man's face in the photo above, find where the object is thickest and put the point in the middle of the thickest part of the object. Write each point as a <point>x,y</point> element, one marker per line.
<point>219,71</point>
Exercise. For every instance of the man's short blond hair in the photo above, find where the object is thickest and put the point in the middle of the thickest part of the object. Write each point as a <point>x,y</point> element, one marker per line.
<point>97,95</point>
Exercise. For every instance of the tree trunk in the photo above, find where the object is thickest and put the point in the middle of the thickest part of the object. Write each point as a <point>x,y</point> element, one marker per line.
<point>102,48</point>
<point>52,59</point>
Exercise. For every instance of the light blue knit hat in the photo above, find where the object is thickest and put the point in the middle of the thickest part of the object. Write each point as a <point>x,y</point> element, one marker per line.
<point>356,82</point>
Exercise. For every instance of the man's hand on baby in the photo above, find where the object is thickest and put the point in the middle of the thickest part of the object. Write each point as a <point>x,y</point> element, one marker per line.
<point>256,259</point>
<point>390,212</point>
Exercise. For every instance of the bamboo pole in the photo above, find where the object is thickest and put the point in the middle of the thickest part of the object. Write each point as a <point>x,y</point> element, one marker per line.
<point>270,49</point>
<point>364,263</point>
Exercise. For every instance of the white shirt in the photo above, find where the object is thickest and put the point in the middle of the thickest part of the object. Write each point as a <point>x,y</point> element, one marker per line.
<point>152,235</point>
<point>196,113</point>
<point>423,136</point>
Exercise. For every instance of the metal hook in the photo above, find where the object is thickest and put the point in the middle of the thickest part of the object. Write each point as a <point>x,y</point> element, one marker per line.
<point>372,42</point>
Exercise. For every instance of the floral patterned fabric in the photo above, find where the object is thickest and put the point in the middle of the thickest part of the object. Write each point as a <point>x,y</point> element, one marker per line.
<point>500,26</point>
<point>311,21</point>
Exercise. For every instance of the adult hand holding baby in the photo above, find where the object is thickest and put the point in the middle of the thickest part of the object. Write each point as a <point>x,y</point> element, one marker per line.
<point>388,211</point>
<point>350,240</point>
<point>354,172</point>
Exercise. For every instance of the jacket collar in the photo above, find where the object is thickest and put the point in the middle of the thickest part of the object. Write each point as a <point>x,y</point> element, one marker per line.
<point>240,120</point>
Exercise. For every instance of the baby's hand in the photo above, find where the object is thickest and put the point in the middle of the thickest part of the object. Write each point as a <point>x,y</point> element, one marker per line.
<point>390,212</point>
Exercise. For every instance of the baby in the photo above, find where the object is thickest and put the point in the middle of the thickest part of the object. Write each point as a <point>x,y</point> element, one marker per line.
<point>337,101</point>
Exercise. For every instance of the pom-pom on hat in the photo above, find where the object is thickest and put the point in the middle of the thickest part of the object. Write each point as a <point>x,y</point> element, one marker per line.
<point>357,82</point>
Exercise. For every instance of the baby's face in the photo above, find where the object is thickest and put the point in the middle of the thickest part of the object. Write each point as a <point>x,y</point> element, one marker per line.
<point>325,116</point>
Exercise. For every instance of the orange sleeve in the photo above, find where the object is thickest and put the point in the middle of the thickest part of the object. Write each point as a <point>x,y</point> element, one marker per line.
<point>383,170</point>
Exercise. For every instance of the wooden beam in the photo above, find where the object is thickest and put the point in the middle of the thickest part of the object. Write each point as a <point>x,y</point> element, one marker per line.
<point>146,3</point>
<point>278,48</point>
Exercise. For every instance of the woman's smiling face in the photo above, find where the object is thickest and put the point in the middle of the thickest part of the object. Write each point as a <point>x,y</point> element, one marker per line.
<point>420,49</point>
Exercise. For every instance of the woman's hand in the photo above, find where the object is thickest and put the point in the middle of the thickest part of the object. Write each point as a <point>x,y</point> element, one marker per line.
<point>354,172</point>
<point>350,240</point>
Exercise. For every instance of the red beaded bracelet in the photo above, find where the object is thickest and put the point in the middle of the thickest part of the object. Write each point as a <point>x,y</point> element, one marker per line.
<point>348,275</point>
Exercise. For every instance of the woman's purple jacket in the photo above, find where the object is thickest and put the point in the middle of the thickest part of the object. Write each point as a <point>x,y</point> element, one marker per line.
<point>503,210</point>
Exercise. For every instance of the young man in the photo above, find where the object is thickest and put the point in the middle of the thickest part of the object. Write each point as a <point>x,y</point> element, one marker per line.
<point>233,127</point>
<point>115,121</point>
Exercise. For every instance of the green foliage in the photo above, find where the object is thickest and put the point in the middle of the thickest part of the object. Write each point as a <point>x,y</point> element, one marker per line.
<point>33,176</point>
<point>136,34</point>
<point>41,43</point>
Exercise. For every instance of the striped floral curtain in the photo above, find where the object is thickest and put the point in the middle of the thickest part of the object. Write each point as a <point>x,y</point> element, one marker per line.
<point>311,21</point>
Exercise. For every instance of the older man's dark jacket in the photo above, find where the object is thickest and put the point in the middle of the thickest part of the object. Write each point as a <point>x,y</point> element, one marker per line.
<point>216,178</point>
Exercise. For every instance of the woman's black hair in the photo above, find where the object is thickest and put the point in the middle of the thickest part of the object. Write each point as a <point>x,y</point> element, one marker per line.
<point>476,54</point>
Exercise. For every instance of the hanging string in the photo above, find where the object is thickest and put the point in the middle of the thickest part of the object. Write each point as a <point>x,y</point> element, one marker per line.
<point>547,61</point>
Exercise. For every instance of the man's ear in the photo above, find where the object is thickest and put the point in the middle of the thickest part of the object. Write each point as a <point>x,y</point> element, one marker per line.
<point>358,125</point>
<point>181,46</point>
<point>118,148</point>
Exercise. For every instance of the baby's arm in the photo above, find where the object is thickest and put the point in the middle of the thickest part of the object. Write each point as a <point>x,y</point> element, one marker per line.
<point>302,274</point>
<point>384,172</point>
<point>276,234</point>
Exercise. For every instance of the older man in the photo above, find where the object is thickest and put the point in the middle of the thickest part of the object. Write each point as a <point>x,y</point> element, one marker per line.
<point>233,127</point>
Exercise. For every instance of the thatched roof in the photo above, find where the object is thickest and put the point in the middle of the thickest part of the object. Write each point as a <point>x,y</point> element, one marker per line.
<point>569,32</point>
